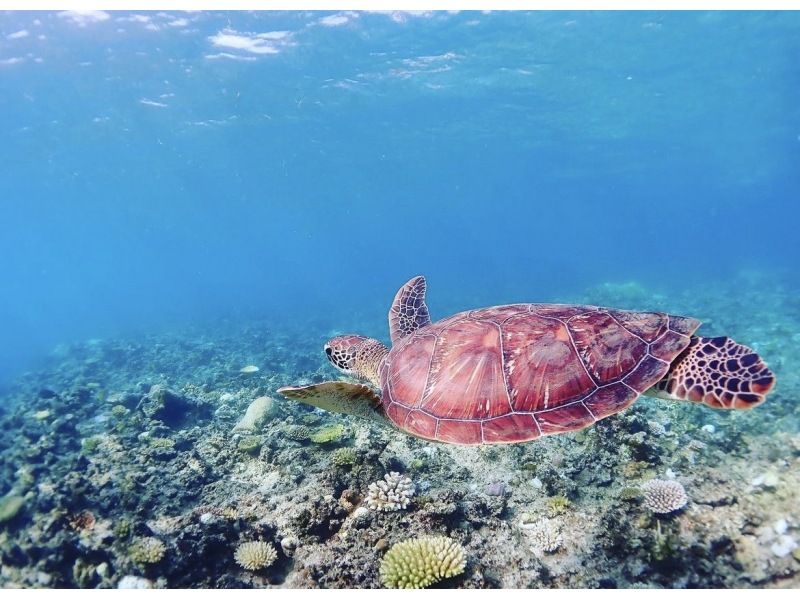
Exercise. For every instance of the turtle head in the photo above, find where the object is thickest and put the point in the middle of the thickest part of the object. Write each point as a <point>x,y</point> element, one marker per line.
<point>358,356</point>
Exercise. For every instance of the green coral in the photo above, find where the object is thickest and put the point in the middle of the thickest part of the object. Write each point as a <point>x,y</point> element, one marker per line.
<point>162,444</point>
<point>557,505</point>
<point>344,456</point>
<point>90,444</point>
<point>250,445</point>
<point>329,434</point>
<point>417,464</point>
<point>161,448</point>
<point>10,506</point>
<point>420,562</point>
<point>122,529</point>
<point>630,493</point>
<point>119,411</point>
<point>147,550</point>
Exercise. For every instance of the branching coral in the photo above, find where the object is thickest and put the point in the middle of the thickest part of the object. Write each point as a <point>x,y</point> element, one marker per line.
<point>558,505</point>
<point>147,550</point>
<point>421,562</point>
<point>344,456</point>
<point>392,493</point>
<point>297,433</point>
<point>255,555</point>
<point>664,496</point>
<point>545,535</point>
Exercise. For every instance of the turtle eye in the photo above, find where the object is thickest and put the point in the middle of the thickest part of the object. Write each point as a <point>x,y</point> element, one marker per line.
<point>328,351</point>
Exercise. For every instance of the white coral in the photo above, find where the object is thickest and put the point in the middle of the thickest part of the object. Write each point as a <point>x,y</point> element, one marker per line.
<point>255,555</point>
<point>544,535</point>
<point>131,582</point>
<point>664,496</point>
<point>392,493</point>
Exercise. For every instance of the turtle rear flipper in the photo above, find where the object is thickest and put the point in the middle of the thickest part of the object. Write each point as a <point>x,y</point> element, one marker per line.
<point>340,397</point>
<point>718,372</point>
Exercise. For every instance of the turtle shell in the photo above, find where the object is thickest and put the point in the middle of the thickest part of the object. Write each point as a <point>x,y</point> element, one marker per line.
<point>516,372</point>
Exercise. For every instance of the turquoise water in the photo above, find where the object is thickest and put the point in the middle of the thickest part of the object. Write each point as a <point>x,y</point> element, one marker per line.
<point>184,194</point>
<point>166,167</point>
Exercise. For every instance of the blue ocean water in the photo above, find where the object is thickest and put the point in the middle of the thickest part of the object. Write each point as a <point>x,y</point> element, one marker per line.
<point>165,168</point>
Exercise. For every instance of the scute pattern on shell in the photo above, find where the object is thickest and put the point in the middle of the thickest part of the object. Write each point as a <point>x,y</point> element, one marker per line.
<point>516,372</point>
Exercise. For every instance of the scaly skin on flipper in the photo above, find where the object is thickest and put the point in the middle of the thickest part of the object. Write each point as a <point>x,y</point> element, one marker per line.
<point>339,397</point>
<point>408,312</point>
<point>717,372</point>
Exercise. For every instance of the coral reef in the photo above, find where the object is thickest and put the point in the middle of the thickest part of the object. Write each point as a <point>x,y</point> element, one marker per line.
<point>147,550</point>
<point>131,582</point>
<point>139,443</point>
<point>10,506</point>
<point>297,433</point>
<point>421,562</point>
<point>329,434</point>
<point>250,445</point>
<point>257,411</point>
<point>255,555</point>
<point>344,456</point>
<point>393,493</point>
<point>544,535</point>
<point>664,496</point>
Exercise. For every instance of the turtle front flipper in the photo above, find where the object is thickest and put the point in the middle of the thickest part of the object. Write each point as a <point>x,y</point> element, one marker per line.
<point>718,372</point>
<point>339,397</point>
<point>408,312</point>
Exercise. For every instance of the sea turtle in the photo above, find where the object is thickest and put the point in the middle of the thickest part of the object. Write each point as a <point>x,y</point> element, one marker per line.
<point>514,373</point>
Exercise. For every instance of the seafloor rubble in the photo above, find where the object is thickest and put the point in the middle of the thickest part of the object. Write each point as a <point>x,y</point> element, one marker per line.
<point>150,462</point>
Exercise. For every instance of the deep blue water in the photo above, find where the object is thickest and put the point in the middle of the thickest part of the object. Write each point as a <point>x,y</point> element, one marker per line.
<point>173,167</point>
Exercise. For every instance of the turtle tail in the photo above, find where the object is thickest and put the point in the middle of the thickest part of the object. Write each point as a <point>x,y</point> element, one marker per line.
<point>718,372</point>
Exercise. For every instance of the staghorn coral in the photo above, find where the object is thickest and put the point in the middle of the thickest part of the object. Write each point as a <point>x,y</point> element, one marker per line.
<point>421,562</point>
<point>545,535</point>
<point>147,550</point>
<point>392,493</point>
<point>664,496</point>
<point>255,555</point>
